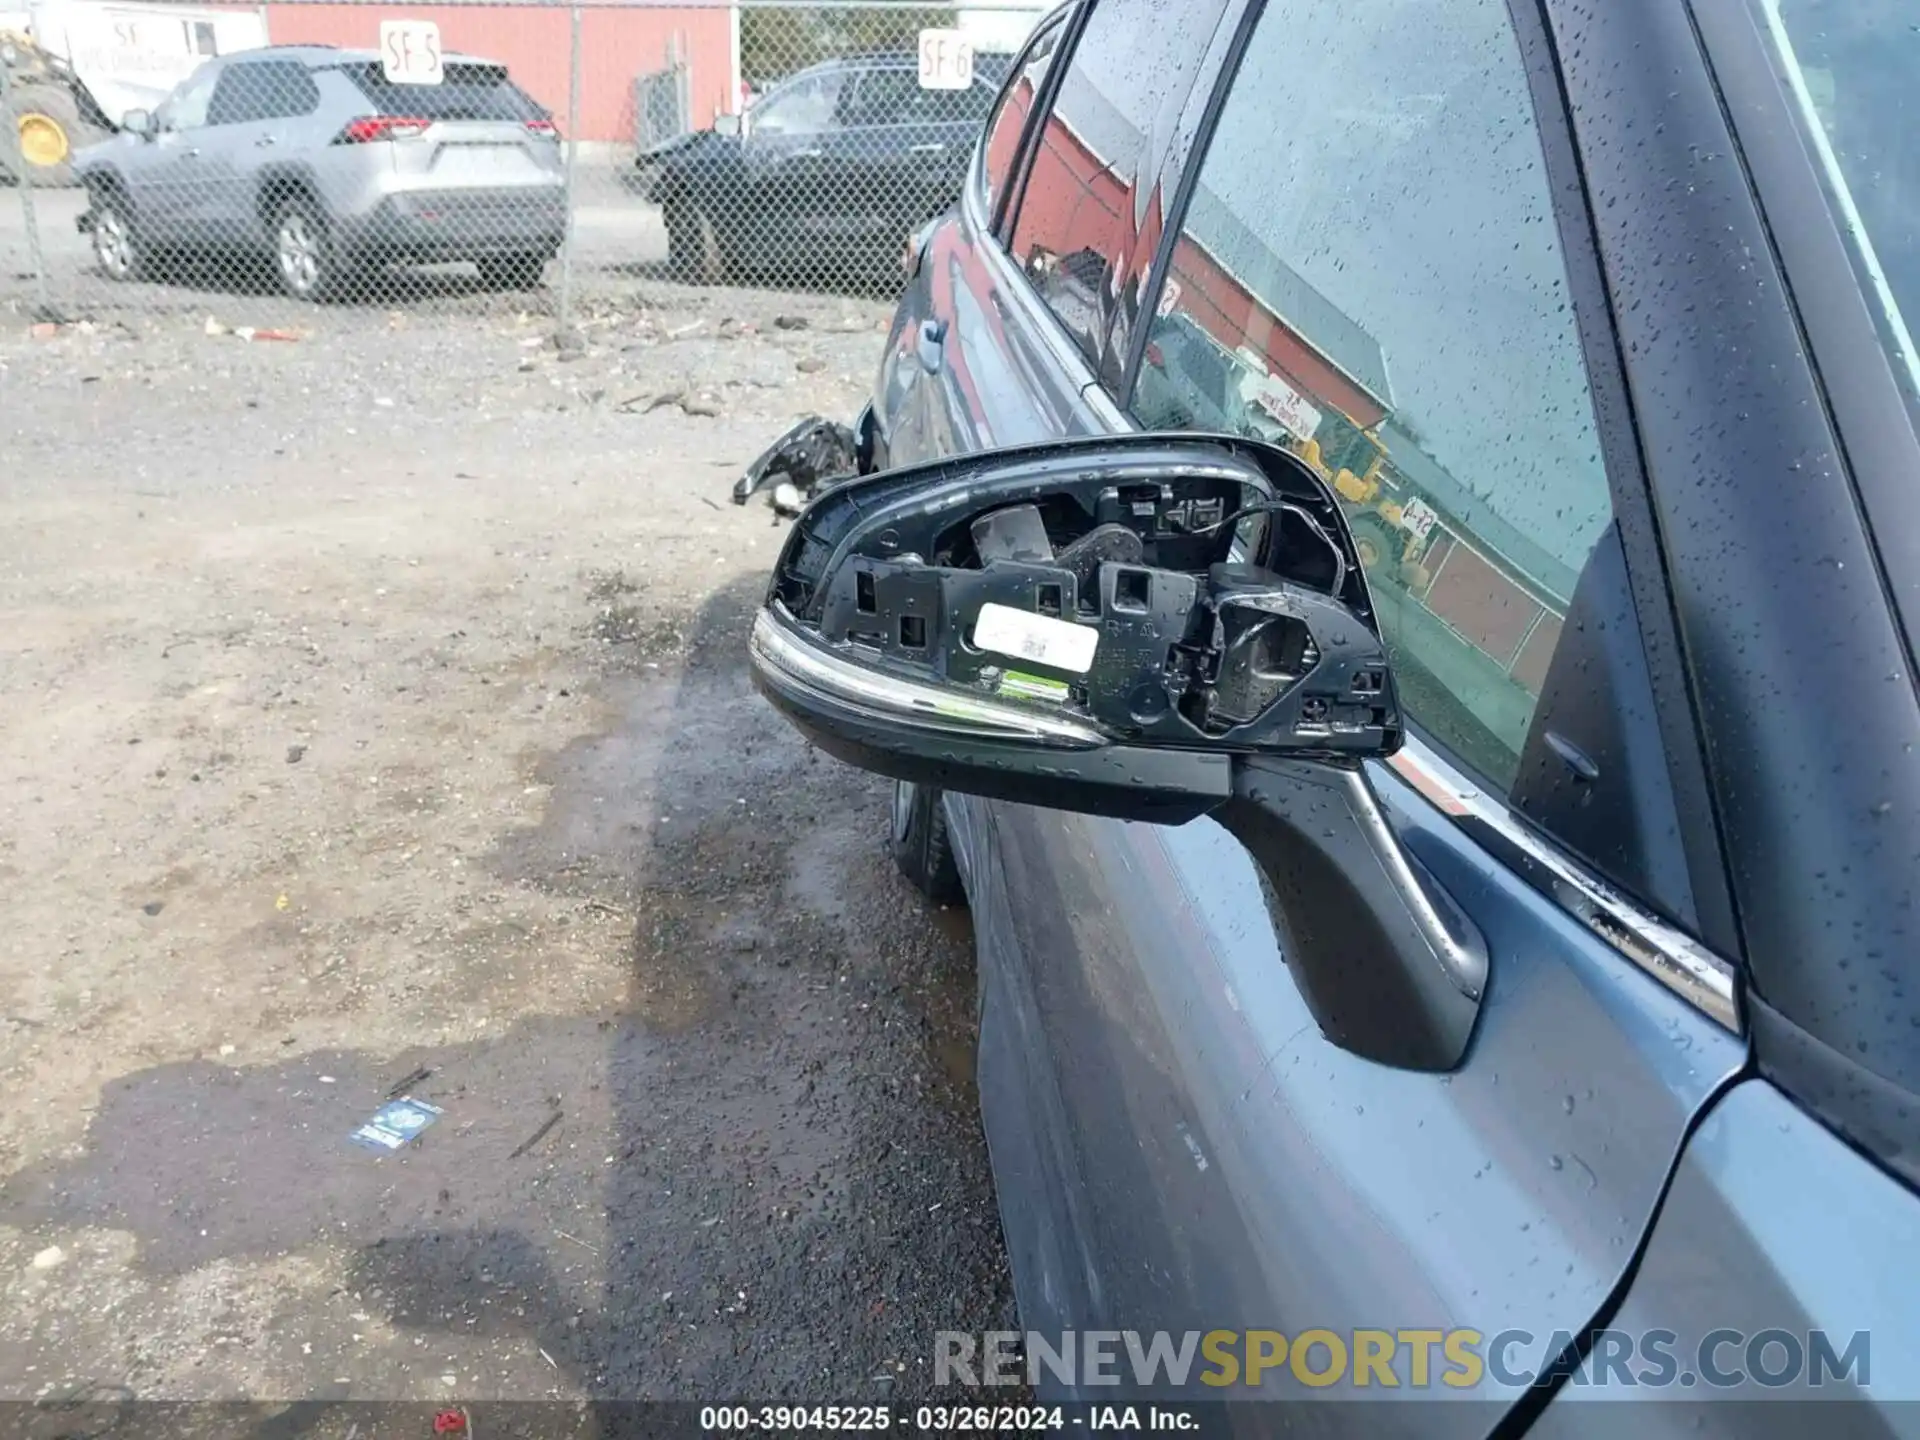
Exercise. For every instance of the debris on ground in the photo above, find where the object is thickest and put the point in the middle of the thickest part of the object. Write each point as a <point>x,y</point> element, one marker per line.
<point>217,328</point>
<point>791,322</point>
<point>396,1123</point>
<point>812,455</point>
<point>407,1082</point>
<point>546,1128</point>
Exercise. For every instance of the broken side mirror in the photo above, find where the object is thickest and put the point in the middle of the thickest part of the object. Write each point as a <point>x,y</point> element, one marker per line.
<point>138,122</point>
<point>1148,627</point>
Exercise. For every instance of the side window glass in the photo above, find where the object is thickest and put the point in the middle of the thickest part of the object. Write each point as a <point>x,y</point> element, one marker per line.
<point>227,105</point>
<point>186,108</point>
<point>879,97</point>
<point>1079,208</point>
<point>805,109</point>
<point>1368,273</point>
<point>267,90</point>
<point>1009,122</point>
<point>293,92</point>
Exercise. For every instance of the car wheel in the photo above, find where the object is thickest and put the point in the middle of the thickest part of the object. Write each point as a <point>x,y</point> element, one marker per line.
<point>50,126</point>
<point>117,245</point>
<point>921,847</point>
<point>303,253</point>
<point>513,272</point>
<point>694,252</point>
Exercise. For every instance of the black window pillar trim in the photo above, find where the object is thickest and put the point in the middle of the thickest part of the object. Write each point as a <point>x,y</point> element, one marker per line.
<point>1219,84</point>
<point>1623,457</point>
<point>1798,665</point>
<point>1006,206</point>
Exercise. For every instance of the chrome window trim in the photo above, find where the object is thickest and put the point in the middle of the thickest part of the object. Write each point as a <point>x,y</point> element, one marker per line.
<point>1679,962</point>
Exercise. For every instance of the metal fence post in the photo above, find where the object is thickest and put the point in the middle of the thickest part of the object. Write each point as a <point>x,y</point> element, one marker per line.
<point>29,220</point>
<point>565,317</point>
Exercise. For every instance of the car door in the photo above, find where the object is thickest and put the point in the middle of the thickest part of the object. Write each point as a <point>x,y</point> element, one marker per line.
<point>1384,225</point>
<point>165,175</point>
<point>248,120</point>
<point>784,164</point>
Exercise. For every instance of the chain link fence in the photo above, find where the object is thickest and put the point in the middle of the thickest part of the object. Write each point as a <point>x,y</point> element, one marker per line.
<point>370,154</point>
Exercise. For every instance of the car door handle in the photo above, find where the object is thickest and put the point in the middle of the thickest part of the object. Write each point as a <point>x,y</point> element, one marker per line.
<point>935,148</point>
<point>266,140</point>
<point>932,346</point>
<point>806,155</point>
<point>191,152</point>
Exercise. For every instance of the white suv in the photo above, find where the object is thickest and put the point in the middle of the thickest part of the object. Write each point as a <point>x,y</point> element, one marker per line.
<point>310,155</point>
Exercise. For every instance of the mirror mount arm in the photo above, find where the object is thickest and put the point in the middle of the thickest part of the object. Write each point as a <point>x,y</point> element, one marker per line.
<point>1390,967</point>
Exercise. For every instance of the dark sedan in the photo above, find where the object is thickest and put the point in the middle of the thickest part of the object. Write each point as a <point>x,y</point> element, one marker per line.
<point>825,176</point>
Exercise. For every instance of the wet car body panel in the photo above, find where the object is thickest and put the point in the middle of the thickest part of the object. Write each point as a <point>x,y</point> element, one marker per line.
<point>1756,1198</point>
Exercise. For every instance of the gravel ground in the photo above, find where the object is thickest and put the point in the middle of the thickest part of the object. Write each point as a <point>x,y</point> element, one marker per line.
<point>373,719</point>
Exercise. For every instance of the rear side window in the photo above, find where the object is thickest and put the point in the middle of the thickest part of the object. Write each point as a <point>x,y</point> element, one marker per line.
<point>1369,273</point>
<point>896,97</point>
<point>469,91</point>
<point>804,107</point>
<point>1086,181</point>
<point>876,97</point>
<point>265,90</point>
<point>1009,122</point>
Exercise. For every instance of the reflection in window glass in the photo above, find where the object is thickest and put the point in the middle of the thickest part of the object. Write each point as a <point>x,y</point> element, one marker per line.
<point>1129,73</point>
<point>1010,121</point>
<point>1369,274</point>
<point>1854,68</point>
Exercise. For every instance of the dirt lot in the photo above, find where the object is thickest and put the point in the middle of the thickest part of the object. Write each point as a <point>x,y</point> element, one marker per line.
<point>372,706</point>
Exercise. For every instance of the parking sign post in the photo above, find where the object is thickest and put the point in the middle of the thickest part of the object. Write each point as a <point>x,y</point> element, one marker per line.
<point>29,220</point>
<point>565,315</point>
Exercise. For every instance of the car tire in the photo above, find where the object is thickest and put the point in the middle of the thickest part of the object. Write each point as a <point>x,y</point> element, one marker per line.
<point>694,251</point>
<point>1374,541</point>
<point>118,247</point>
<point>50,128</point>
<point>513,272</point>
<point>305,261</point>
<point>920,843</point>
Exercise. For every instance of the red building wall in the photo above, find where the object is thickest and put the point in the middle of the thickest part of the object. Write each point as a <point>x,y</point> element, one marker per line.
<point>616,47</point>
<point>1073,199</point>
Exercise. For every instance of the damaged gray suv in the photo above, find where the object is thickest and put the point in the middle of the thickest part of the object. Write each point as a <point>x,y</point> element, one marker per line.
<point>310,157</point>
<point>1441,818</point>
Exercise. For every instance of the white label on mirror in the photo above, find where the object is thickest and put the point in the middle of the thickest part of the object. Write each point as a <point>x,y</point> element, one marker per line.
<point>1057,644</point>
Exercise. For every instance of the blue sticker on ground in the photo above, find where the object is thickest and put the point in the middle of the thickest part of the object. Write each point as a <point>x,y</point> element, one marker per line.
<point>395,1123</point>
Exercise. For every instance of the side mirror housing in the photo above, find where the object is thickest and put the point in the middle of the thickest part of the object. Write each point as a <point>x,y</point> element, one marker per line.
<point>138,122</point>
<point>1147,627</point>
<point>727,125</point>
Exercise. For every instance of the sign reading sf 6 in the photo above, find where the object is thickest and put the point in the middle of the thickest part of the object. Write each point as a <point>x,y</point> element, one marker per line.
<point>946,60</point>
